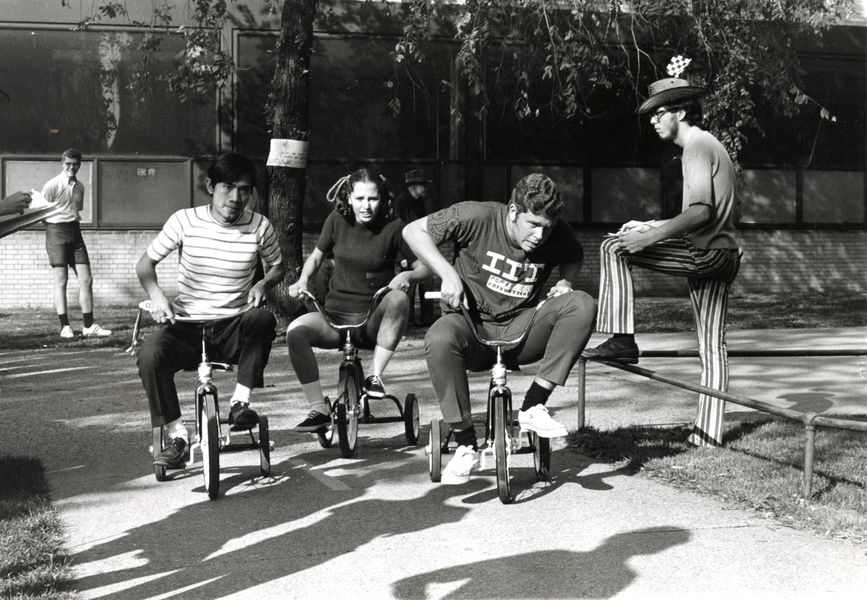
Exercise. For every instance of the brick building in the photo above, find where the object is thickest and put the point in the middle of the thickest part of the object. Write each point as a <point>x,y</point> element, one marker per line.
<point>802,227</point>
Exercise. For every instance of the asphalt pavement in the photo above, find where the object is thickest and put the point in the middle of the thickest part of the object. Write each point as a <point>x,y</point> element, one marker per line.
<point>375,526</point>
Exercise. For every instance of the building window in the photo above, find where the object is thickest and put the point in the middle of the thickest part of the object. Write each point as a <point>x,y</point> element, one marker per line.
<point>73,89</point>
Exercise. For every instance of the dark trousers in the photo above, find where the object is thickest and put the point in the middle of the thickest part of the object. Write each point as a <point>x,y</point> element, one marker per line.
<point>425,306</point>
<point>244,340</point>
<point>557,336</point>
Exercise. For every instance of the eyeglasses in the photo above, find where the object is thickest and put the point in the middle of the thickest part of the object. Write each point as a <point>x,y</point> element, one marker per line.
<point>655,117</point>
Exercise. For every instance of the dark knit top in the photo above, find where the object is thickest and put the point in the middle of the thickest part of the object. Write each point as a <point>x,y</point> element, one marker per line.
<point>364,259</point>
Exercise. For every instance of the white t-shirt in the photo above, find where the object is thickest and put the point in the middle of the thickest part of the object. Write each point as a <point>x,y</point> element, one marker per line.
<point>68,195</point>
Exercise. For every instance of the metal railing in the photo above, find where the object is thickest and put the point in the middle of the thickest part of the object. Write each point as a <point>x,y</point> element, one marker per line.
<point>810,420</point>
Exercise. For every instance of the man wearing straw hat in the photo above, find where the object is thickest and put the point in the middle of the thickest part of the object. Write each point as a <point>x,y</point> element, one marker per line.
<point>698,244</point>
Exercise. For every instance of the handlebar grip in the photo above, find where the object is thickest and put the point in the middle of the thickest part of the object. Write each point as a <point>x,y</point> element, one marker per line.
<point>438,295</point>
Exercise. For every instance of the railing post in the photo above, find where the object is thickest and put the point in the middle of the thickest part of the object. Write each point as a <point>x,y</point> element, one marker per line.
<point>810,420</point>
<point>582,400</point>
<point>809,453</point>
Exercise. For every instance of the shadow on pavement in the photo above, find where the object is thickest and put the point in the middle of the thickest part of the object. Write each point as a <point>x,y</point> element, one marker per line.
<point>214,549</point>
<point>817,402</point>
<point>599,573</point>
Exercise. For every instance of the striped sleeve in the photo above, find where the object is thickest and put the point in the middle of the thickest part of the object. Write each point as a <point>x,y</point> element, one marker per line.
<point>168,239</point>
<point>268,244</point>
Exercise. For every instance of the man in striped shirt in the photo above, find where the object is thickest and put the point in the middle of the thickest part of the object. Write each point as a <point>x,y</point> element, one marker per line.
<point>220,245</point>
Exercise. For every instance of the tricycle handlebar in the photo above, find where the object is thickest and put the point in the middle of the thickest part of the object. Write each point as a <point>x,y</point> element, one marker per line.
<point>374,301</point>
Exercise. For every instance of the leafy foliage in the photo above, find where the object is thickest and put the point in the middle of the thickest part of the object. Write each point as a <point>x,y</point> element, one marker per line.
<point>580,51</point>
<point>203,63</point>
<point>576,53</point>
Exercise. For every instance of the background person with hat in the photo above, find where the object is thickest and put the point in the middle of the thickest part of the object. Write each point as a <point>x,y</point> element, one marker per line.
<point>698,244</point>
<point>415,203</point>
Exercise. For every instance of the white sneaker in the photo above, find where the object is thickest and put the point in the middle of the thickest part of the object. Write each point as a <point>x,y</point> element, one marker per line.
<point>66,332</point>
<point>462,463</point>
<point>536,418</point>
<point>95,331</point>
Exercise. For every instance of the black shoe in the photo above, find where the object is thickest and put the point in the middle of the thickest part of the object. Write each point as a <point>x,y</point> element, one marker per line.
<point>172,456</point>
<point>615,348</point>
<point>315,421</point>
<point>242,417</point>
<point>373,387</point>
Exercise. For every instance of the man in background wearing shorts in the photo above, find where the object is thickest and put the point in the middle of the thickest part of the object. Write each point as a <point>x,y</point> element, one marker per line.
<point>66,247</point>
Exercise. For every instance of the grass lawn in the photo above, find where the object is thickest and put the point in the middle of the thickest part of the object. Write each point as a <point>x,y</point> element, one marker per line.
<point>33,562</point>
<point>758,311</point>
<point>39,328</point>
<point>760,467</point>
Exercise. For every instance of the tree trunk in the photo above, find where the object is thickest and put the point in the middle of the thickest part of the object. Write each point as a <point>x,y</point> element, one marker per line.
<point>289,119</point>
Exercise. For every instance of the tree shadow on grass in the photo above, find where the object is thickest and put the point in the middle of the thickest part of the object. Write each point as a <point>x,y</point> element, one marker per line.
<point>637,445</point>
<point>749,435</point>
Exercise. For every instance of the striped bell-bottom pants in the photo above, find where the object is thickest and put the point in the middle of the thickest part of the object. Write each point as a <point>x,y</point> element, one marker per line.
<point>710,274</point>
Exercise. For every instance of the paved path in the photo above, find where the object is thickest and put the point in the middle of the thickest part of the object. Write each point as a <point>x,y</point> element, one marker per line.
<point>376,527</point>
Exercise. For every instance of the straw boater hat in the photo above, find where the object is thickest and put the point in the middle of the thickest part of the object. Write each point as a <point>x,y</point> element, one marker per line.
<point>672,89</point>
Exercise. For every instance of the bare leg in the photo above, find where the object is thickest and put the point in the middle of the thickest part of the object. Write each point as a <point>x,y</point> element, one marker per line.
<point>61,276</point>
<point>85,287</point>
<point>303,334</point>
<point>388,321</point>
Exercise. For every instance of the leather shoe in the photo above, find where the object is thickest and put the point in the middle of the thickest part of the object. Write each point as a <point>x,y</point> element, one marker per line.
<point>172,456</point>
<point>242,417</point>
<point>615,348</point>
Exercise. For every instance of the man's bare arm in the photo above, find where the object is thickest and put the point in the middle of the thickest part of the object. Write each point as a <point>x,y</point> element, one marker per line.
<point>425,248</point>
<point>146,271</point>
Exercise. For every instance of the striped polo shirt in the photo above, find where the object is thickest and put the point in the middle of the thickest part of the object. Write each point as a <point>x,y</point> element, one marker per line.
<point>217,262</point>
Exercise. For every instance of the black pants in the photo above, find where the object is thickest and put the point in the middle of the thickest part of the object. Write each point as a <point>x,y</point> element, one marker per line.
<point>425,306</point>
<point>244,340</point>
